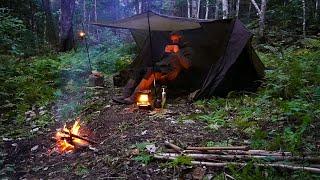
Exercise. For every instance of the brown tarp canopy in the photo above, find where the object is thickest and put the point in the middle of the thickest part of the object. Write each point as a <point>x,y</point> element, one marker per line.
<point>223,59</point>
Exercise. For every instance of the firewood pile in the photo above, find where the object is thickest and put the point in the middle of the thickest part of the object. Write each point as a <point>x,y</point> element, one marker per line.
<point>220,157</point>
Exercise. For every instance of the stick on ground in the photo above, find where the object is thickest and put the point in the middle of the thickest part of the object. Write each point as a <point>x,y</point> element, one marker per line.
<point>173,146</point>
<point>219,148</point>
<point>224,164</point>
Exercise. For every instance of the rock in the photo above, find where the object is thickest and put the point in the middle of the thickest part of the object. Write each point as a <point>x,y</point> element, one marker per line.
<point>135,152</point>
<point>151,148</point>
<point>34,148</point>
<point>144,132</point>
<point>93,148</point>
<point>7,139</point>
<point>198,173</point>
<point>188,121</point>
<point>34,130</point>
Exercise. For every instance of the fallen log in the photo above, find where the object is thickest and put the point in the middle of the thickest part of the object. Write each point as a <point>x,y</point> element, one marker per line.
<point>173,146</point>
<point>243,157</point>
<point>239,152</point>
<point>219,148</point>
<point>224,164</point>
<point>78,137</point>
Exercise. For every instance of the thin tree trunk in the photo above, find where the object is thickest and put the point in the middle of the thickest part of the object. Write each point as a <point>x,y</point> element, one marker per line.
<point>50,25</point>
<point>225,11</point>
<point>249,11</point>
<point>67,11</point>
<point>216,12</point>
<point>316,11</point>
<point>84,11</point>
<point>207,9</point>
<point>194,8</point>
<point>189,8</point>
<point>198,9</point>
<point>237,8</point>
<point>140,7</point>
<point>96,19</point>
<point>304,18</point>
<point>261,12</point>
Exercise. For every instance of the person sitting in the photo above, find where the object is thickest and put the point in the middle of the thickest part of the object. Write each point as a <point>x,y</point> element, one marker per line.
<point>176,58</point>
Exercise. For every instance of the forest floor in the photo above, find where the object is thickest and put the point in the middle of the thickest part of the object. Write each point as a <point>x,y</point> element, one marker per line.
<point>283,115</point>
<point>118,129</point>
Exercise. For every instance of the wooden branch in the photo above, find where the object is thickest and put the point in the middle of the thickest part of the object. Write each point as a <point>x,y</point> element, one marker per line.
<point>244,157</point>
<point>240,152</point>
<point>173,146</point>
<point>221,165</point>
<point>256,6</point>
<point>79,137</point>
<point>219,148</point>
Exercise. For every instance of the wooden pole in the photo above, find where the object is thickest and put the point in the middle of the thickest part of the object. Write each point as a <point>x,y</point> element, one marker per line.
<point>219,148</point>
<point>244,157</point>
<point>224,164</point>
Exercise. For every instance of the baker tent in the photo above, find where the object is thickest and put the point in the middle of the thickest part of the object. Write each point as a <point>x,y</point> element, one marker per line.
<point>223,59</point>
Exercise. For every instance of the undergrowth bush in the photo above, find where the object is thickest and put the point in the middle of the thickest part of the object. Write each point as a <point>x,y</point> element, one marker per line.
<point>283,113</point>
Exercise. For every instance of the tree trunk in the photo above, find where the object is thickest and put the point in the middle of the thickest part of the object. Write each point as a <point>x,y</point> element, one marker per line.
<point>66,29</point>
<point>304,18</point>
<point>216,12</point>
<point>50,25</point>
<point>140,7</point>
<point>237,8</point>
<point>207,9</point>
<point>194,8</point>
<point>225,11</point>
<point>198,9</point>
<point>249,11</point>
<point>96,19</point>
<point>316,11</point>
<point>189,8</point>
<point>261,12</point>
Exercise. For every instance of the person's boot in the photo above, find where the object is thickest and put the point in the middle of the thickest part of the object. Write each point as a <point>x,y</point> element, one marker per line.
<point>126,92</point>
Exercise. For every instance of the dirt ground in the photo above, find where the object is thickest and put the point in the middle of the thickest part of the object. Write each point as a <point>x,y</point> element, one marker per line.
<point>116,128</point>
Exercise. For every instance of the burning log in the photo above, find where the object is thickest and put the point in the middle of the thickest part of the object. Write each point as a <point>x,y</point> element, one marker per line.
<point>224,164</point>
<point>79,137</point>
<point>67,139</point>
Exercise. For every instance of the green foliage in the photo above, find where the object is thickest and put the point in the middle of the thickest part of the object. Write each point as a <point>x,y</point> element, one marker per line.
<point>181,161</point>
<point>11,29</point>
<point>283,111</point>
<point>143,156</point>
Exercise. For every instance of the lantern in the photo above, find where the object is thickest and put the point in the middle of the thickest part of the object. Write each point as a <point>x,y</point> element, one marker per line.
<point>144,100</point>
<point>82,34</point>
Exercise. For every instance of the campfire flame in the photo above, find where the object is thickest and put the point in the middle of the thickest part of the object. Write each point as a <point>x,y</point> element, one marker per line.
<point>66,142</point>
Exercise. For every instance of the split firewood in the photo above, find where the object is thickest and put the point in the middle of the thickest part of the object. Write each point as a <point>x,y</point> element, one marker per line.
<point>79,137</point>
<point>219,148</point>
<point>173,146</point>
<point>240,152</point>
<point>224,164</point>
<point>244,157</point>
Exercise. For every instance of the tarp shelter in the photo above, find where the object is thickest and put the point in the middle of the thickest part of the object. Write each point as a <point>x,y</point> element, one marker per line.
<point>223,59</point>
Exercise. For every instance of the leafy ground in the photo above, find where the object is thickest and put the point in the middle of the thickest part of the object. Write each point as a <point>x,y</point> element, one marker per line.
<point>282,115</point>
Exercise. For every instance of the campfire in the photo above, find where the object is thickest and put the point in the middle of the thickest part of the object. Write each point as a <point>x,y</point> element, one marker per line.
<point>68,139</point>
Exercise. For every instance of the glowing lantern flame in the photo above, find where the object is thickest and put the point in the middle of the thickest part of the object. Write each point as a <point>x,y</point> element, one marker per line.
<point>82,34</point>
<point>65,142</point>
<point>143,100</point>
